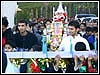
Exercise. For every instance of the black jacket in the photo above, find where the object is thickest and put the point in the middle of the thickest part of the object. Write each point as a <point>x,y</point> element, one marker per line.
<point>8,34</point>
<point>25,42</point>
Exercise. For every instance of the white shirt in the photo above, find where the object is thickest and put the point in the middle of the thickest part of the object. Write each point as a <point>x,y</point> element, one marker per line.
<point>11,68</point>
<point>65,44</point>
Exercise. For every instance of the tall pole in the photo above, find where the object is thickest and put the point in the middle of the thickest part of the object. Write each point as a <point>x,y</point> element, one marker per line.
<point>53,11</point>
<point>41,12</point>
<point>36,12</point>
<point>66,20</point>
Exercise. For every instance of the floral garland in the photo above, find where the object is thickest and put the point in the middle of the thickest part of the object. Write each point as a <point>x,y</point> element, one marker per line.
<point>38,65</point>
<point>34,66</point>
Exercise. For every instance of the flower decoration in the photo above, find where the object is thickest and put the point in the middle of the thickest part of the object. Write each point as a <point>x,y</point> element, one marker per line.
<point>34,66</point>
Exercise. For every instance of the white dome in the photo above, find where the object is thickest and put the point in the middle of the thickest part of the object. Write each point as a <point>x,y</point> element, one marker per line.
<point>60,8</point>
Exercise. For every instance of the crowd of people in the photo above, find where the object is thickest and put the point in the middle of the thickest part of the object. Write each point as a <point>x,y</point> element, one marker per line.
<point>27,36</point>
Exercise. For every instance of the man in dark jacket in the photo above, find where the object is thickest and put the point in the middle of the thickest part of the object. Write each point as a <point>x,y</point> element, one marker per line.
<point>24,39</point>
<point>7,33</point>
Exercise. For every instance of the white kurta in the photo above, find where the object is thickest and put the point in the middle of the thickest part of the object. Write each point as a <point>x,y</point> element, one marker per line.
<point>65,44</point>
<point>11,68</point>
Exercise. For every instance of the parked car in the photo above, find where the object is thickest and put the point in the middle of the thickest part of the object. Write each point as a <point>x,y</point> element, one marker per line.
<point>90,19</point>
<point>83,16</point>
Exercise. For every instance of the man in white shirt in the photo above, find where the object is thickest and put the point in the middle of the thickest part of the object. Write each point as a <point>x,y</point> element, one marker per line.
<point>69,42</point>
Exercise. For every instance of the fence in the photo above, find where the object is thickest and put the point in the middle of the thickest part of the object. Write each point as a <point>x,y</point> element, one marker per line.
<point>49,54</point>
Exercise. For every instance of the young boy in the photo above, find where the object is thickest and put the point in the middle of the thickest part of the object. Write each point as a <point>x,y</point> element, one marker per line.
<point>9,46</point>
